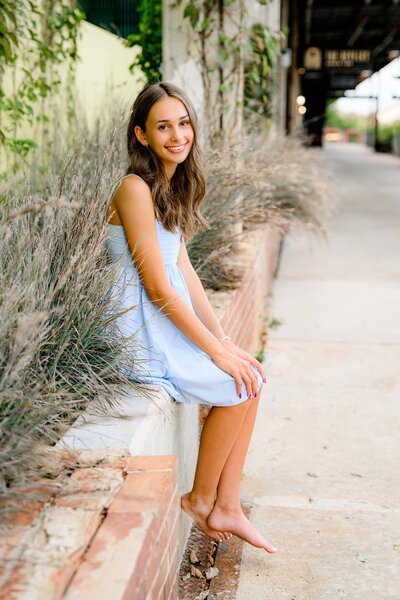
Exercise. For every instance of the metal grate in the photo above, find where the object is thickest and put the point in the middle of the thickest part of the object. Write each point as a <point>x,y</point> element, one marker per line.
<point>120,17</point>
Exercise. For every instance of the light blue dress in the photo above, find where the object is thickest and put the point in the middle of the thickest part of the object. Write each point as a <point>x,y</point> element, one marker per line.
<point>164,354</point>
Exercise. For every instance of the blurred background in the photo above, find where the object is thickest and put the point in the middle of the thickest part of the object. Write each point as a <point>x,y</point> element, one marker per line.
<point>329,70</point>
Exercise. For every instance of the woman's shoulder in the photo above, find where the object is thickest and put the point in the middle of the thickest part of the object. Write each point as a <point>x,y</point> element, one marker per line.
<point>130,188</point>
<point>132,181</point>
<point>133,193</point>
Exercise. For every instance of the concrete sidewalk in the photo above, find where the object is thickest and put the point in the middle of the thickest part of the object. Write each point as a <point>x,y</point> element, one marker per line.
<point>323,471</point>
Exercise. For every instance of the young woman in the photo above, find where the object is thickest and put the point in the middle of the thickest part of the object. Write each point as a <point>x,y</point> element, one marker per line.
<point>153,210</point>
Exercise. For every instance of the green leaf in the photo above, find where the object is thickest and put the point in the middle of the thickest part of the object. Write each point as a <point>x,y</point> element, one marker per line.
<point>6,48</point>
<point>223,55</point>
<point>192,13</point>
<point>362,558</point>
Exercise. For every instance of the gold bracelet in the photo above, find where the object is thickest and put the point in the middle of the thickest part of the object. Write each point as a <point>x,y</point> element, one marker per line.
<point>225,337</point>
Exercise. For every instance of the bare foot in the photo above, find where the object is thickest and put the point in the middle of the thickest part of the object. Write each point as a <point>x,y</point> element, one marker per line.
<point>238,524</point>
<point>199,512</point>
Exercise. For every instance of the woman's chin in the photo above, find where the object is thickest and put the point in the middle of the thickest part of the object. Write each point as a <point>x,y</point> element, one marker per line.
<point>178,158</point>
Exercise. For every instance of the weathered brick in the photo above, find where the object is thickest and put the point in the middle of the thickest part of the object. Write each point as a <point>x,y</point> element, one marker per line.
<point>156,577</point>
<point>171,581</point>
<point>143,490</point>
<point>91,488</point>
<point>112,561</point>
<point>151,463</point>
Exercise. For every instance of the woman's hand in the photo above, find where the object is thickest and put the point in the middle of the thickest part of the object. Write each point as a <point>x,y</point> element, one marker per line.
<point>229,345</point>
<point>239,368</point>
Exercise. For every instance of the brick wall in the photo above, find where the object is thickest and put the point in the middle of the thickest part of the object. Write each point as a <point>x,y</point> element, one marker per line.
<point>93,539</point>
<point>111,531</point>
<point>244,317</point>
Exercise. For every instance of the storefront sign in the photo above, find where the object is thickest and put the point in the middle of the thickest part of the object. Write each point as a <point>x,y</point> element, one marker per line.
<point>346,58</point>
<point>315,59</point>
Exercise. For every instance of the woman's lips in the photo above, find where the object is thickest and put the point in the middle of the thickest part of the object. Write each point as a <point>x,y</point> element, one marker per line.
<point>176,149</point>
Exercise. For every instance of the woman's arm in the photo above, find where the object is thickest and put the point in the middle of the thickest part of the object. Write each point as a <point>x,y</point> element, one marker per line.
<point>135,208</point>
<point>204,310</point>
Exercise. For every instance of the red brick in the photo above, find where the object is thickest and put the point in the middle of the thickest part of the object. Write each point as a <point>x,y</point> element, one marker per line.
<point>156,577</point>
<point>88,477</point>
<point>88,501</point>
<point>168,535</point>
<point>91,488</point>
<point>115,463</point>
<point>172,510</point>
<point>162,539</point>
<point>173,539</point>
<point>143,490</point>
<point>13,586</point>
<point>27,508</point>
<point>117,556</point>
<point>241,318</point>
<point>174,592</point>
<point>151,463</point>
<point>172,576</point>
<point>140,592</point>
<point>63,574</point>
<point>10,540</point>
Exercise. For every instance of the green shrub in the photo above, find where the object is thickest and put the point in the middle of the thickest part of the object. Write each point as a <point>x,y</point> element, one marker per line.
<point>386,132</point>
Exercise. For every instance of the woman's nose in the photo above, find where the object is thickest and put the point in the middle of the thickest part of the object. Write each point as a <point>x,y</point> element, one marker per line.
<point>175,134</point>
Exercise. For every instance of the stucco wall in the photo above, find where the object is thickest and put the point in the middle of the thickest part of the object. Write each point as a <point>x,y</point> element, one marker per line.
<point>103,69</point>
<point>102,78</point>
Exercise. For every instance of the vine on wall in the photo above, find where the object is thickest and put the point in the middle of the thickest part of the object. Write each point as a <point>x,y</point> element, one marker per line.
<point>219,29</point>
<point>37,40</point>
<point>237,64</point>
<point>223,40</point>
<point>149,38</point>
<point>263,49</point>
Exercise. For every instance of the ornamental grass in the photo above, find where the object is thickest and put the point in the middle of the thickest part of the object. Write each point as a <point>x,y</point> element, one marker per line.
<point>57,349</point>
<point>58,353</point>
<point>279,182</point>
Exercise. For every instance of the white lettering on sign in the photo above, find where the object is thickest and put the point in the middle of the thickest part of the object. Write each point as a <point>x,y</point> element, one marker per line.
<point>346,58</point>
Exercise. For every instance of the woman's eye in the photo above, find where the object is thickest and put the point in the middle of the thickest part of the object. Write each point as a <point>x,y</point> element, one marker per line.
<point>184,122</point>
<point>162,127</point>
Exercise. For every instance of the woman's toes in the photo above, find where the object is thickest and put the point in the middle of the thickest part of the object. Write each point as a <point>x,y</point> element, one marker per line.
<point>270,548</point>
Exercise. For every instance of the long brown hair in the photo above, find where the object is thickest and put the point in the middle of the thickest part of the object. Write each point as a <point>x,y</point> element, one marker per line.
<point>176,202</point>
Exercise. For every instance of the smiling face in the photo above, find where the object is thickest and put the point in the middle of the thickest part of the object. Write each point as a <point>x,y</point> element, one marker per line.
<point>168,132</point>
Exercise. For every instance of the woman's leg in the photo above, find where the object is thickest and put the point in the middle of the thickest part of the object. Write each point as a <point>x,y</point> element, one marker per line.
<point>219,434</point>
<point>227,514</point>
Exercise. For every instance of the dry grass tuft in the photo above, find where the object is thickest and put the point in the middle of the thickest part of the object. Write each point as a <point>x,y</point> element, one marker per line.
<point>57,354</point>
<point>282,183</point>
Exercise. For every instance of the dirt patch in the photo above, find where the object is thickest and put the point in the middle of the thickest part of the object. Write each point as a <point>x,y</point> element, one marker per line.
<point>205,558</point>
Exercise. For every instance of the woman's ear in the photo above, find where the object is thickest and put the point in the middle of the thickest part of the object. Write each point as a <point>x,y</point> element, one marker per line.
<point>140,135</point>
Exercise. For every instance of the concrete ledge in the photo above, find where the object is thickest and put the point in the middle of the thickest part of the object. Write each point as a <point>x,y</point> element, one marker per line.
<point>155,426</point>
